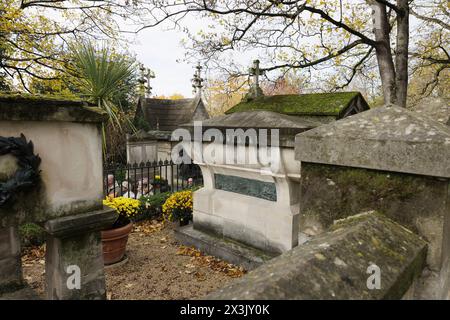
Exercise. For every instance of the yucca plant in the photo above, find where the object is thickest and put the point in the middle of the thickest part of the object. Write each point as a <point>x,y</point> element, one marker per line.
<point>103,77</point>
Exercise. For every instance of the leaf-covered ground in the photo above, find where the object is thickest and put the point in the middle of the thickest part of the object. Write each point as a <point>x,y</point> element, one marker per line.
<point>157,268</point>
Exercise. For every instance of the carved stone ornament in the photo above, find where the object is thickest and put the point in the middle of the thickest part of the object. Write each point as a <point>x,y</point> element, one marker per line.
<point>27,175</point>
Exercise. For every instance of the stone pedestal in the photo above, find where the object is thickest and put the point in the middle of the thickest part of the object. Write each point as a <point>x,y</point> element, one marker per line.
<point>10,263</point>
<point>74,249</point>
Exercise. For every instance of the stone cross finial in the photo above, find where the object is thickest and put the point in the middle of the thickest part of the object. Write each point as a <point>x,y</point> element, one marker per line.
<point>255,71</point>
<point>197,80</point>
<point>150,75</point>
<point>144,81</point>
<point>141,80</point>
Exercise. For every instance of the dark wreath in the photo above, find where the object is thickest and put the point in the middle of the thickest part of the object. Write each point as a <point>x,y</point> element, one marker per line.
<point>28,173</point>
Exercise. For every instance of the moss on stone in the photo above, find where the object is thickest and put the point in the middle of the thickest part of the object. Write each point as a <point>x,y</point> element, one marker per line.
<point>334,265</point>
<point>323,104</point>
<point>18,96</point>
<point>332,192</point>
<point>31,234</point>
<point>17,107</point>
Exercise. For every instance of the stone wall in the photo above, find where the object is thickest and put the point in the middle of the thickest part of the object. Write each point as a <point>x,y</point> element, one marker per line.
<point>334,192</point>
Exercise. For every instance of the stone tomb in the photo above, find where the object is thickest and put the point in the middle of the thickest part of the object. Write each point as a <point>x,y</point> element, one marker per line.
<point>247,201</point>
<point>387,159</point>
<point>247,211</point>
<point>66,201</point>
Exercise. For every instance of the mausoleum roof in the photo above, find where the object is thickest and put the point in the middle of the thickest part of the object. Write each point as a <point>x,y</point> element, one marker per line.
<point>387,138</point>
<point>168,114</point>
<point>313,104</point>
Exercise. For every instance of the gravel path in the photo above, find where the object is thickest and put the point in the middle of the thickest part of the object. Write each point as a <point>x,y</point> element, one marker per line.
<point>157,268</point>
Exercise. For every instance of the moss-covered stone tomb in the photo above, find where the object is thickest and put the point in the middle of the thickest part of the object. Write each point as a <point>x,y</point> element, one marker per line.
<point>375,202</point>
<point>387,159</point>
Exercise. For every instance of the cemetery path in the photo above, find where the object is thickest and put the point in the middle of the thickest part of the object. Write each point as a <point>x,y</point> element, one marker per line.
<point>157,268</point>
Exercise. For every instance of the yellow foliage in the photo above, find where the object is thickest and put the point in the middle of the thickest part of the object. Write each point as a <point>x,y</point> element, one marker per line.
<point>221,95</point>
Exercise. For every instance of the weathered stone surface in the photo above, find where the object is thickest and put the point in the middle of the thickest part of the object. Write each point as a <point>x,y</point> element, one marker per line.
<point>71,171</point>
<point>334,265</point>
<point>83,251</point>
<point>287,126</point>
<point>25,293</point>
<point>226,249</point>
<point>76,241</point>
<point>387,138</point>
<point>331,192</point>
<point>10,261</point>
<point>81,223</point>
<point>17,107</point>
<point>437,109</point>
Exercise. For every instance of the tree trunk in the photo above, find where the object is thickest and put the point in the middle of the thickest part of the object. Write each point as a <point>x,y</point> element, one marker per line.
<point>383,51</point>
<point>401,56</point>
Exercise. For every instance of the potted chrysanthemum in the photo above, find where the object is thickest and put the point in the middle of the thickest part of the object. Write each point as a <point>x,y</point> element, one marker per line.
<point>115,239</point>
<point>178,207</point>
<point>160,185</point>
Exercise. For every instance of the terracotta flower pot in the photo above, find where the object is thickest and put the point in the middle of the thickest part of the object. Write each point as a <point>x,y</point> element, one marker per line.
<point>115,243</point>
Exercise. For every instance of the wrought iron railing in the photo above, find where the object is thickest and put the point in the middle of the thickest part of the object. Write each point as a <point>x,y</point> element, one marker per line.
<point>145,179</point>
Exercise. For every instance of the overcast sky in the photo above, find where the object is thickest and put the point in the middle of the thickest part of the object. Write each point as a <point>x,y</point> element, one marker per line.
<point>161,51</point>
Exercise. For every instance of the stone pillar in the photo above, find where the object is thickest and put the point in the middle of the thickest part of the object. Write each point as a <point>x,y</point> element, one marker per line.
<point>74,257</point>
<point>10,261</point>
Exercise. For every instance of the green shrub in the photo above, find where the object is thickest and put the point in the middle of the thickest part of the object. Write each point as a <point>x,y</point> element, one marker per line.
<point>152,206</point>
<point>31,235</point>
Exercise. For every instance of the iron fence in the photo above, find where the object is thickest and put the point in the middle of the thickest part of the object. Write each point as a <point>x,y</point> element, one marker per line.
<point>145,179</point>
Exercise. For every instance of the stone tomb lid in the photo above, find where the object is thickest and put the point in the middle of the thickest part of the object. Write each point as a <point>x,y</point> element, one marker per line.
<point>24,107</point>
<point>288,126</point>
<point>388,138</point>
<point>436,108</point>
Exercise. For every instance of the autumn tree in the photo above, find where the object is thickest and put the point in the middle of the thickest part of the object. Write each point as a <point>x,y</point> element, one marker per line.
<point>34,34</point>
<point>431,64</point>
<point>354,38</point>
<point>223,93</point>
<point>288,83</point>
<point>173,96</point>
